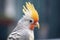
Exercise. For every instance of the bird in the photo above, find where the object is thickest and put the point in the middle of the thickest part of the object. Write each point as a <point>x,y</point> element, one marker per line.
<point>24,29</point>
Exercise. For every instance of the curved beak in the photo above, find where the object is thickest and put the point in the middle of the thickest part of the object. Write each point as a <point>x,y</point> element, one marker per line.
<point>38,25</point>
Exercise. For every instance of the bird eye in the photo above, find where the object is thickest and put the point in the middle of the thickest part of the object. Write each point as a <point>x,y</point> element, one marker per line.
<point>30,20</point>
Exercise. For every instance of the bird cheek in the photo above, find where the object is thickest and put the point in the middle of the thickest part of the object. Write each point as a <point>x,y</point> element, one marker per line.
<point>31,27</point>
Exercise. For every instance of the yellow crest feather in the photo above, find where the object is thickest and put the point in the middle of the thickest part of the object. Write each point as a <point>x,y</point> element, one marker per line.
<point>29,9</point>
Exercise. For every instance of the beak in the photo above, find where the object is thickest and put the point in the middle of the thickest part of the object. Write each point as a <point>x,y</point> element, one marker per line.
<point>37,25</point>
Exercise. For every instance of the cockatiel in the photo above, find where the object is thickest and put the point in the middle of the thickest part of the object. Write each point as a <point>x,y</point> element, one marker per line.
<point>25,27</point>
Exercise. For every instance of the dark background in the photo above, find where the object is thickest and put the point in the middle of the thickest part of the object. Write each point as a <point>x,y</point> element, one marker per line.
<point>49,12</point>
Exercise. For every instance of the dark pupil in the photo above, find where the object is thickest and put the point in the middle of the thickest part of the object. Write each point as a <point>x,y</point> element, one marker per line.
<point>30,20</point>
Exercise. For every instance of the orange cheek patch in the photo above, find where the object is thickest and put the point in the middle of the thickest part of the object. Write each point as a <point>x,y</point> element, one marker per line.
<point>32,26</point>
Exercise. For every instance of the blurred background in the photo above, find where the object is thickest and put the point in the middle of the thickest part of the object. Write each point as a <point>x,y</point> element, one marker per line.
<point>49,12</point>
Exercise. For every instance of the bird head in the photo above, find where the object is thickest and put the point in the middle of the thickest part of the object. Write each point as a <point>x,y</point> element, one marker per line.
<point>31,16</point>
